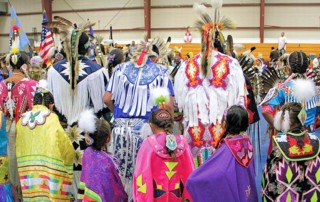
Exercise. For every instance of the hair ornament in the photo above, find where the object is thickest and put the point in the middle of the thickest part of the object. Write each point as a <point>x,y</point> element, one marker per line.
<point>111,57</point>
<point>171,142</point>
<point>160,96</point>
<point>88,139</point>
<point>87,121</point>
<point>302,116</point>
<point>282,120</point>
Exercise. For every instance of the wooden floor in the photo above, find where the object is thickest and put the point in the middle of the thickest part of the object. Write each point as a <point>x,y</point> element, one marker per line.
<point>264,49</point>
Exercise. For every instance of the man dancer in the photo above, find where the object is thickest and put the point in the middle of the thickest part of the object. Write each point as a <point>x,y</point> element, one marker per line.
<point>76,84</point>
<point>128,96</point>
<point>206,85</point>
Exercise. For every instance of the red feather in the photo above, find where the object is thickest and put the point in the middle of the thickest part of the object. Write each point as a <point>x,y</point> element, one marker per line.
<point>15,28</point>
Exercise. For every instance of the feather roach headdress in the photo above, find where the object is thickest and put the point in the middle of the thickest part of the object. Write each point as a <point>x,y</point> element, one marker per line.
<point>156,47</point>
<point>70,35</point>
<point>210,28</point>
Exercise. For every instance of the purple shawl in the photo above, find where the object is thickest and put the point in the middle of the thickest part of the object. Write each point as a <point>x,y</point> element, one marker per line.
<point>100,176</point>
<point>223,177</point>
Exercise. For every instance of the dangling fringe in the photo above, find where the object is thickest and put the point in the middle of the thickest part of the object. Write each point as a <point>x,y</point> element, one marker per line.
<point>131,97</point>
<point>71,103</point>
<point>208,103</point>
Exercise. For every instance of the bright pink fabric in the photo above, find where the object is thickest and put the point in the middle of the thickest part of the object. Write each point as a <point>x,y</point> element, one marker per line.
<point>22,94</point>
<point>152,169</point>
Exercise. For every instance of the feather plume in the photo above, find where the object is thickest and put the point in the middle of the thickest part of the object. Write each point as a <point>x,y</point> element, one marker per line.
<point>199,8</point>
<point>277,120</point>
<point>43,84</point>
<point>285,126</point>
<point>238,46</point>
<point>51,52</point>
<point>304,89</point>
<point>217,3</point>
<point>227,22</point>
<point>63,20</point>
<point>58,25</point>
<point>160,95</point>
<point>87,121</point>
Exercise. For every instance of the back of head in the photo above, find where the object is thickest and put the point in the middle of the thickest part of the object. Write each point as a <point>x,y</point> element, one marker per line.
<point>43,97</point>
<point>237,120</point>
<point>84,44</point>
<point>294,110</point>
<point>161,118</point>
<point>36,62</point>
<point>16,60</point>
<point>116,57</point>
<point>298,62</point>
<point>102,133</point>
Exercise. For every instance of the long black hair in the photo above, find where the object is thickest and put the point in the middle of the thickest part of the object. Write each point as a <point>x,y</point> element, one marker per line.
<point>43,98</point>
<point>237,120</point>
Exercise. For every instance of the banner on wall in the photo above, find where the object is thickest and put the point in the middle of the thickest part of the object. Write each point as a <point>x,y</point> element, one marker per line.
<point>24,41</point>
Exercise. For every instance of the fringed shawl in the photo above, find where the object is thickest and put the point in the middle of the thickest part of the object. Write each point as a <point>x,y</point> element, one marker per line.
<point>130,87</point>
<point>90,88</point>
<point>207,98</point>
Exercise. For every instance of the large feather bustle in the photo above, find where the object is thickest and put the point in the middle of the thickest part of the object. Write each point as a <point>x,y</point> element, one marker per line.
<point>270,78</point>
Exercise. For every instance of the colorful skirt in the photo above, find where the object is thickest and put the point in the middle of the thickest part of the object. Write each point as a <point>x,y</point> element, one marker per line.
<point>126,141</point>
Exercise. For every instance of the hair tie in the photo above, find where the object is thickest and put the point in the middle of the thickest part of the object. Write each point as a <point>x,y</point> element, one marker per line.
<point>111,57</point>
<point>88,139</point>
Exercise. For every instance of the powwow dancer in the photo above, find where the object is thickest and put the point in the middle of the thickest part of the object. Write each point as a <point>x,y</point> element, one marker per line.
<point>207,84</point>
<point>292,169</point>
<point>16,95</point>
<point>76,84</point>
<point>99,179</point>
<point>297,88</point>
<point>164,161</point>
<point>128,96</point>
<point>44,152</point>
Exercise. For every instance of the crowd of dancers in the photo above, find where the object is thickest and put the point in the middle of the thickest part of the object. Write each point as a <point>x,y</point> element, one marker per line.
<point>146,124</point>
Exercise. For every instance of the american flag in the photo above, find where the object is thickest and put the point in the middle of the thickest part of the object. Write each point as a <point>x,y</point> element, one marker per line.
<point>46,40</point>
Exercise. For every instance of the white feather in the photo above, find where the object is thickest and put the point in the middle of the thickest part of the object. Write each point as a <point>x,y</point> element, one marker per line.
<point>286,122</point>
<point>87,121</point>
<point>216,3</point>
<point>303,89</point>
<point>238,46</point>
<point>315,62</point>
<point>43,84</point>
<point>159,92</point>
<point>51,52</point>
<point>277,121</point>
<point>260,56</point>
<point>199,8</point>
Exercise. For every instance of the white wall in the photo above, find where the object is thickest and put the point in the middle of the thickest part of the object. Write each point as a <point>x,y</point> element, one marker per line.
<point>172,18</point>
